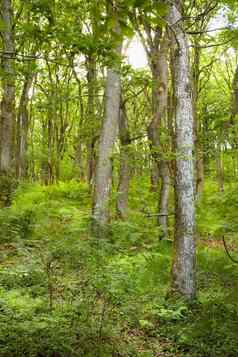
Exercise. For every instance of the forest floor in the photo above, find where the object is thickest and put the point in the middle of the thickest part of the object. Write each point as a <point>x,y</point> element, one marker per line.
<point>64,293</point>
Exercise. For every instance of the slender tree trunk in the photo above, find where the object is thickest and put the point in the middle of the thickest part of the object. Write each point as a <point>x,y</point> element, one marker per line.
<point>183,272</point>
<point>103,178</point>
<point>79,145</point>
<point>107,140</point>
<point>199,172</point>
<point>91,76</point>
<point>50,148</point>
<point>159,67</point>
<point>8,87</point>
<point>157,52</point>
<point>164,198</point>
<point>22,128</point>
<point>234,107</point>
<point>219,168</point>
<point>31,163</point>
<point>124,175</point>
<point>44,161</point>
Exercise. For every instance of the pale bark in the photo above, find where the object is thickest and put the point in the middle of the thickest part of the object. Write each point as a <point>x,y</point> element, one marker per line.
<point>158,57</point>
<point>200,28</point>
<point>91,79</point>
<point>219,168</point>
<point>8,87</point>
<point>199,172</point>
<point>50,148</point>
<point>109,131</point>
<point>78,145</point>
<point>183,272</point>
<point>22,128</point>
<point>164,198</point>
<point>107,139</point>
<point>44,161</point>
<point>156,43</point>
<point>124,175</point>
<point>234,109</point>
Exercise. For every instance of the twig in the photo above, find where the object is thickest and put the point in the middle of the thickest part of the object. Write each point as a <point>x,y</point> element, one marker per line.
<point>227,251</point>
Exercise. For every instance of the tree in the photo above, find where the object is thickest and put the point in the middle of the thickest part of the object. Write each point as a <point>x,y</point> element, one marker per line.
<point>125,171</point>
<point>108,136</point>
<point>8,86</point>
<point>156,43</point>
<point>183,272</point>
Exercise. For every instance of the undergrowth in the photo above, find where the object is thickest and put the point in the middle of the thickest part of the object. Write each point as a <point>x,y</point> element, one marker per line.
<point>65,293</point>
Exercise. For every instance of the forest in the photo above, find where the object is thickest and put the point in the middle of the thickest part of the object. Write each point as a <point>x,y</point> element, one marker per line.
<point>118,178</point>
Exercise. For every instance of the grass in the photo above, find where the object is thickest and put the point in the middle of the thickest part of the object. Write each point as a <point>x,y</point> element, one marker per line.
<point>63,293</point>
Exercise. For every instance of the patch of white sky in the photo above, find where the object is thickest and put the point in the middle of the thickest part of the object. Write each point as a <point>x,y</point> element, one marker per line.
<point>220,21</point>
<point>135,53</point>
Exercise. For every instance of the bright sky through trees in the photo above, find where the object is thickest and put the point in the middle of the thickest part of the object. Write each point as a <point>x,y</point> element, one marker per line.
<point>136,55</point>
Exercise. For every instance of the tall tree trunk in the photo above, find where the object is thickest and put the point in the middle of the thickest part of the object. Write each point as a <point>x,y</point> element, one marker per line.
<point>50,148</point>
<point>164,198</point>
<point>22,128</point>
<point>8,87</point>
<point>219,168</point>
<point>107,140</point>
<point>44,161</point>
<point>159,68</point>
<point>124,175</point>
<point>78,144</point>
<point>234,106</point>
<point>183,272</point>
<point>199,172</point>
<point>103,178</point>
<point>91,77</point>
<point>31,163</point>
<point>234,109</point>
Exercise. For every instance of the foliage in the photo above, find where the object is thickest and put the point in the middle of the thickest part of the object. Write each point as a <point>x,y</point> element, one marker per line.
<point>220,217</point>
<point>65,293</point>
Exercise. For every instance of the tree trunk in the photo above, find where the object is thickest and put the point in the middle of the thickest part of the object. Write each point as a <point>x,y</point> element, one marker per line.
<point>199,172</point>
<point>159,69</point>
<point>78,145</point>
<point>183,272</point>
<point>8,87</point>
<point>107,140</point>
<point>234,109</point>
<point>103,178</point>
<point>164,198</point>
<point>50,148</point>
<point>22,128</point>
<point>124,175</point>
<point>91,78</point>
<point>219,168</point>
<point>44,160</point>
